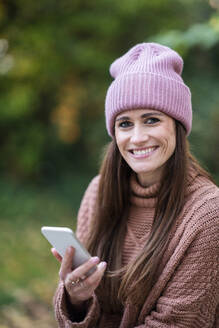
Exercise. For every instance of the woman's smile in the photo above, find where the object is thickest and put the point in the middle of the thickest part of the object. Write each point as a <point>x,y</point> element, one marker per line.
<point>143,152</point>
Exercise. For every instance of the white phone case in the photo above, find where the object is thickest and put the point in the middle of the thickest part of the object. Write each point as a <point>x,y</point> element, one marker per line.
<point>60,238</point>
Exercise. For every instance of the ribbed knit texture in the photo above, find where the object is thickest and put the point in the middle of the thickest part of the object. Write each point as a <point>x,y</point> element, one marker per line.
<point>148,76</point>
<point>186,294</point>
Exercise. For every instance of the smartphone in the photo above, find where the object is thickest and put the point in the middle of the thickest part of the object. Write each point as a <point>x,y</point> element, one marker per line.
<point>60,238</point>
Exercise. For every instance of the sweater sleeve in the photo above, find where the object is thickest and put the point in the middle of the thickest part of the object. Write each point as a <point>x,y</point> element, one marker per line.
<point>191,296</point>
<point>65,313</point>
<point>67,316</point>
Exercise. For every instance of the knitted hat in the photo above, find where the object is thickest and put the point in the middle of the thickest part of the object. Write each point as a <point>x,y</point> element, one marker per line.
<point>148,76</point>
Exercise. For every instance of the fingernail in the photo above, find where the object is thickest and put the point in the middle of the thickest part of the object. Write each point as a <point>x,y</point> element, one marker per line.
<point>102,265</point>
<point>94,259</point>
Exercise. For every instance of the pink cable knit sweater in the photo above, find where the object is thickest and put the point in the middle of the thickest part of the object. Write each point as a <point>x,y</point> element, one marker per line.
<point>186,294</point>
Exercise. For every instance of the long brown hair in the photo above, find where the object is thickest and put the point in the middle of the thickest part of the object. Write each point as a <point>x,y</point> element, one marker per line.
<point>109,223</point>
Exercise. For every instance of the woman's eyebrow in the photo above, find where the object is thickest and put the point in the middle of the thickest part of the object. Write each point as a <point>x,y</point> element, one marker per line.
<point>151,114</point>
<point>121,118</point>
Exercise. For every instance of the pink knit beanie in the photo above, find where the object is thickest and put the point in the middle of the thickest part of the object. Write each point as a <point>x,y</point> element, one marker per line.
<point>148,76</point>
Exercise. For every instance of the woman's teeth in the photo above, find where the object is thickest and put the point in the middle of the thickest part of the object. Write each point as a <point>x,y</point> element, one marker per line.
<point>143,151</point>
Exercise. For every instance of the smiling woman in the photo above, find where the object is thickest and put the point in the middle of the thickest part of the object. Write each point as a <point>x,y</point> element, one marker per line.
<point>151,214</point>
<point>146,139</point>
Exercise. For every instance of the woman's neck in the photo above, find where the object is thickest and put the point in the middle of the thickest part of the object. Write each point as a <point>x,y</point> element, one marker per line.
<point>147,179</point>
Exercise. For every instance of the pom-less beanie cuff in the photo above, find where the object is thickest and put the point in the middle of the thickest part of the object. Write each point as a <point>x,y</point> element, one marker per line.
<point>148,90</point>
<point>148,76</point>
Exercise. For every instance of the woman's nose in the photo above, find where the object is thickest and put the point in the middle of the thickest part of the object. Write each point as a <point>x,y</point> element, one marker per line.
<point>139,135</point>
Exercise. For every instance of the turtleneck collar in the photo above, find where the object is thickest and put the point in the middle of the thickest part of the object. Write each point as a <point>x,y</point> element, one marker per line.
<point>143,196</point>
<point>147,196</point>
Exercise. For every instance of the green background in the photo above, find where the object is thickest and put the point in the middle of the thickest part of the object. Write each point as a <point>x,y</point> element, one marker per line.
<point>54,61</point>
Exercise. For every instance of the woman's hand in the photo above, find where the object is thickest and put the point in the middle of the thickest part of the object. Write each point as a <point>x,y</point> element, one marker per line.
<point>79,286</point>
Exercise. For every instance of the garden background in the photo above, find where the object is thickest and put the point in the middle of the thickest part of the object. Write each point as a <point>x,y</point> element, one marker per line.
<point>54,60</point>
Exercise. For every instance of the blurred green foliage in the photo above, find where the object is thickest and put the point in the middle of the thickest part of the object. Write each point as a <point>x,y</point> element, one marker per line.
<point>54,61</point>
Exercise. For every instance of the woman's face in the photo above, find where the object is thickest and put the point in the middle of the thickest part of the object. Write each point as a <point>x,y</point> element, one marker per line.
<point>146,139</point>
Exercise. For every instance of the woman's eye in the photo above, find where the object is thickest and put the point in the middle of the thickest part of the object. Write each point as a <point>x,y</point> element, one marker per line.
<point>124,124</point>
<point>152,120</point>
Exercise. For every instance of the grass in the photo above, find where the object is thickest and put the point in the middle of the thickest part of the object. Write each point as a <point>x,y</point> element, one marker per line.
<point>29,272</point>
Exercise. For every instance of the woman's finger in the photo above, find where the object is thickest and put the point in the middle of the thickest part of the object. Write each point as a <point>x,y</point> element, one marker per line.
<point>66,266</point>
<point>56,254</point>
<point>81,273</point>
<point>86,282</point>
<point>84,269</point>
<point>94,279</point>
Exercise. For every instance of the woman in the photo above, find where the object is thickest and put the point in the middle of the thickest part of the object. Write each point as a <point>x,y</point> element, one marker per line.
<point>151,214</point>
